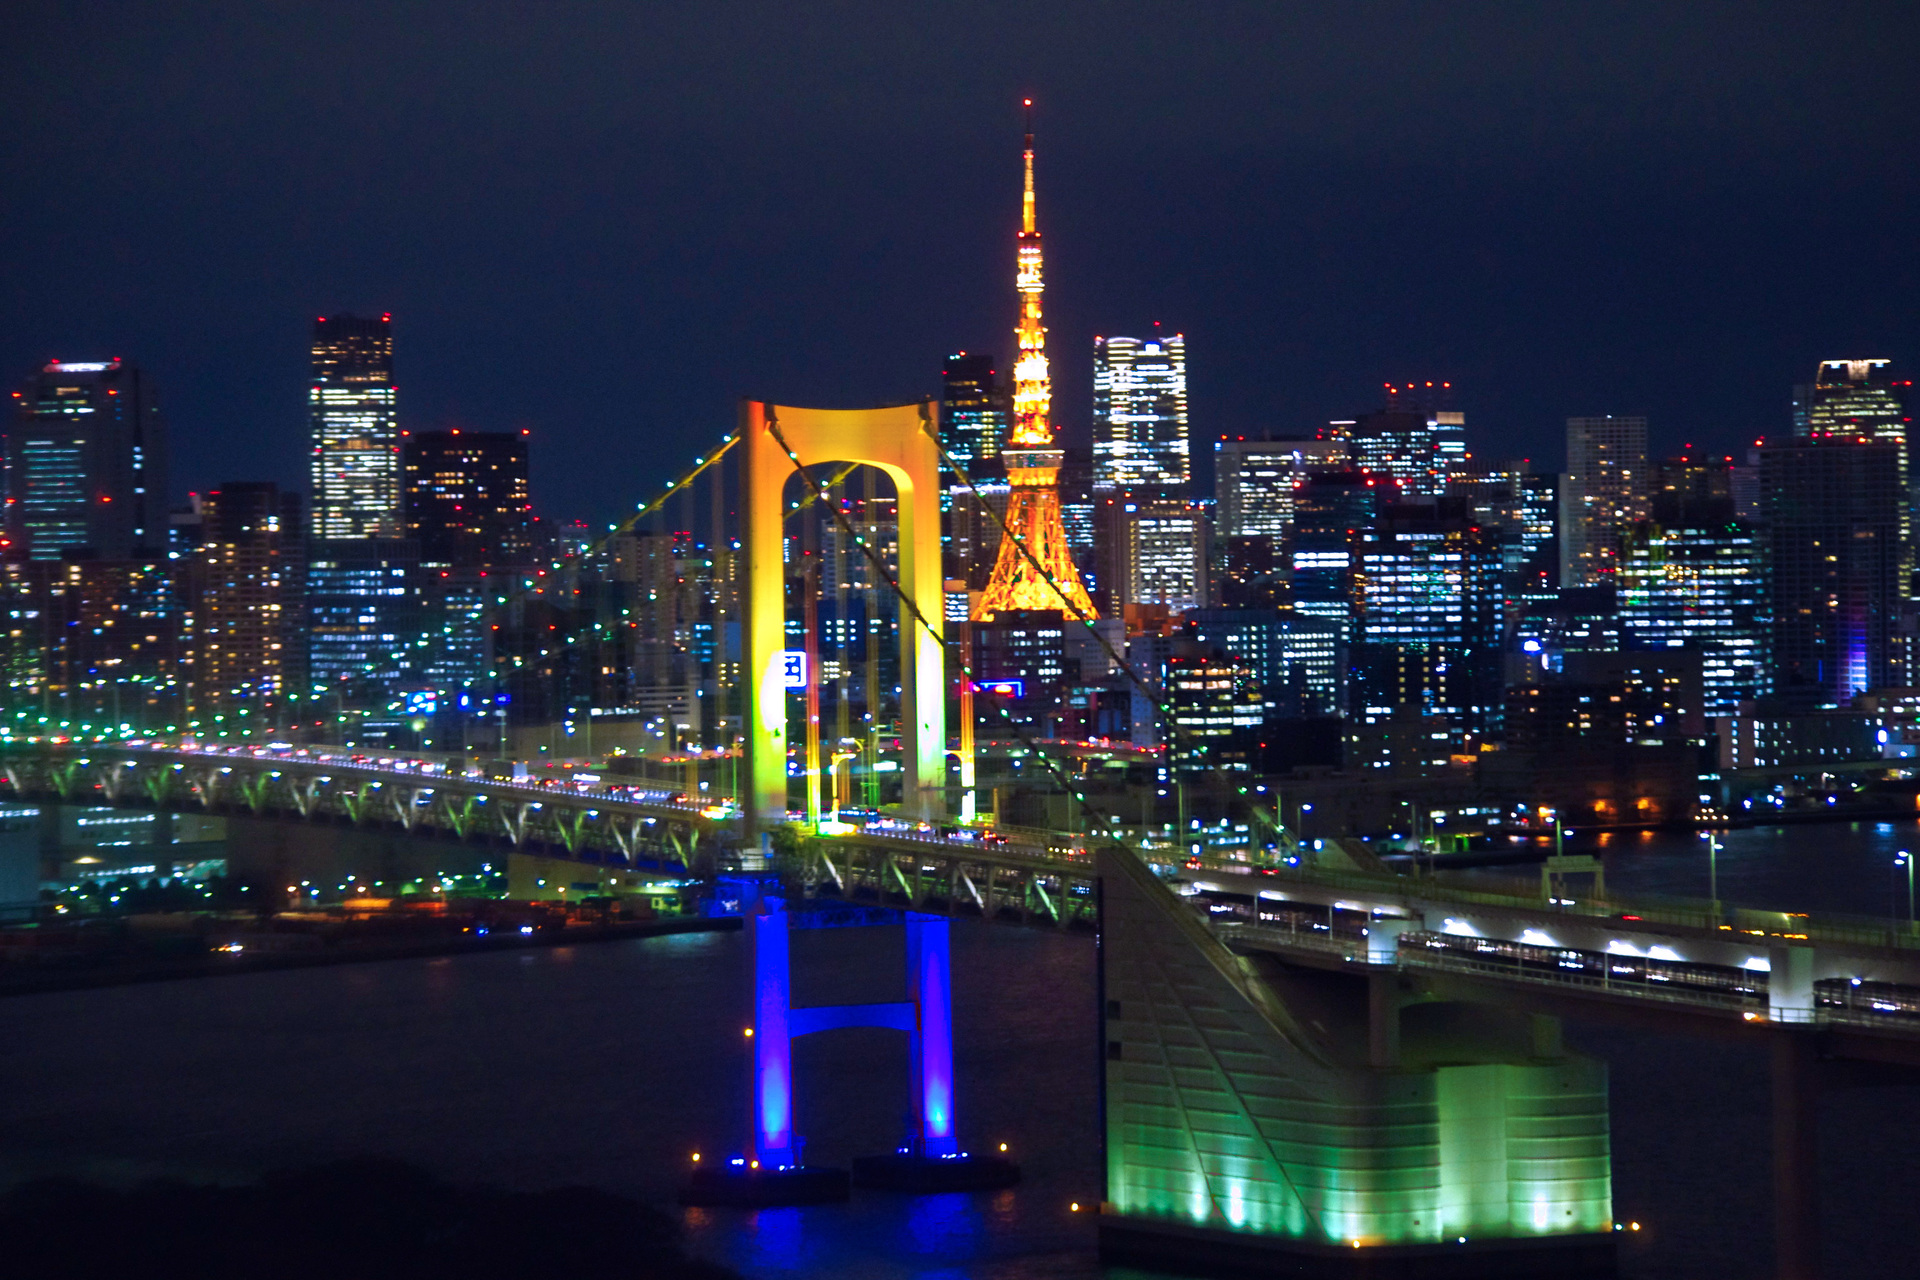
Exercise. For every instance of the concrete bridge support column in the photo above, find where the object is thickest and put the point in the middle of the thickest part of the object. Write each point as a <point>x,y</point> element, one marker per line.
<point>1383,1018</point>
<point>1796,1156</point>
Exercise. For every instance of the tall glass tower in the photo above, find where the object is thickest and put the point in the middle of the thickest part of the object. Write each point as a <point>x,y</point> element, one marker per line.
<point>1140,414</point>
<point>356,437</point>
<point>86,464</point>
<point>973,410</point>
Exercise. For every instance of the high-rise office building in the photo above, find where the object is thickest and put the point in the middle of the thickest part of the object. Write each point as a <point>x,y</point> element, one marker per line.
<point>1254,482</point>
<point>247,585</point>
<point>974,410</point>
<point>1853,398</point>
<point>1217,712</point>
<point>1330,511</point>
<point>1428,617</point>
<point>1693,488</point>
<point>1140,414</point>
<point>1702,586</point>
<point>1417,439</point>
<point>1522,508</point>
<point>363,613</point>
<point>466,497</point>
<point>356,435</point>
<point>86,464</point>
<point>92,642</point>
<point>1163,555</point>
<point>1840,557</point>
<point>1295,658</point>
<point>1607,489</point>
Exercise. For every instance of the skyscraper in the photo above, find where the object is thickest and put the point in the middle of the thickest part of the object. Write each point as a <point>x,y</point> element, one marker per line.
<point>1163,555</point>
<point>466,497</point>
<point>1838,527</point>
<point>1140,414</point>
<point>86,464</point>
<point>1417,438</point>
<point>1428,617</point>
<point>247,586</point>
<point>1702,585</point>
<point>1606,491</point>
<point>1035,568</point>
<point>1852,398</point>
<point>973,410</point>
<point>1254,482</point>
<point>356,436</point>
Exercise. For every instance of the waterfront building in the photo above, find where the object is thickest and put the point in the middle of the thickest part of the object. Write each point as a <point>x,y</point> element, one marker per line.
<point>92,642</point>
<point>86,459</point>
<point>1607,489</point>
<point>466,497</point>
<point>246,584</point>
<point>356,436</point>
<point>1034,569</point>
<point>1704,587</point>
<point>1840,560</point>
<point>1140,441</point>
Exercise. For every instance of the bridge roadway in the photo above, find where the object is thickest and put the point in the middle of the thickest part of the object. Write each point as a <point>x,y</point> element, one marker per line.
<point>585,821</point>
<point>1734,965</point>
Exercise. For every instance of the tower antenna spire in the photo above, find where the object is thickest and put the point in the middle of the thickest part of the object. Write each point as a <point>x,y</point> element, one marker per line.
<point>1034,569</point>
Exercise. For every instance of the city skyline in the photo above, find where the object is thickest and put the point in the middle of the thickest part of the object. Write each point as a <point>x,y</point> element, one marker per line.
<point>1302,213</point>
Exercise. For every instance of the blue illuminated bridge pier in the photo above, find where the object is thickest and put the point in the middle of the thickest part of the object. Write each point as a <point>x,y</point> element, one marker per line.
<point>1314,1063</point>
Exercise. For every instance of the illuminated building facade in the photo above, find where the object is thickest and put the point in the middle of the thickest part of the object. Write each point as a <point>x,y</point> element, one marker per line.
<point>97,642</point>
<point>1163,555</point>
<point>1296,660</point>
<point>1035,567</point>
<point>1701,587</point>
<point>1330,511</point>
<point>1254,482</point>
<point>1852,398</point>
<point>356,436</point>
<point>1840,559</point>
<point>1428,618</point>
<point>973,411</point>
<point>1140,414</point>
<point>1523,510</point>
<point>247,582</point>
<point>1417,438</point>
<point>1607,490</point>
<point>363,612</point>
<point>1217,711</point>
<point>86,464</point>
<point>466,497</point>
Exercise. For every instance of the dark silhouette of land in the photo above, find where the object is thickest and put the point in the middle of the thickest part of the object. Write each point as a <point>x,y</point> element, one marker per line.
<point>369,1219</point>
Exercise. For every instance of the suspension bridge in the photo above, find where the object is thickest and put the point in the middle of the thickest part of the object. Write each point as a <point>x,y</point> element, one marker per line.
<point>1304,1052</point>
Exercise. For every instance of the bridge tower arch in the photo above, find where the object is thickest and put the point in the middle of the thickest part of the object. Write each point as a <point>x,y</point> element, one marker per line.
<point>900,441</point>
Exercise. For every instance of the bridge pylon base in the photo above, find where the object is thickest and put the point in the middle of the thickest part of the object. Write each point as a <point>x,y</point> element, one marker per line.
<point>741,1187</point>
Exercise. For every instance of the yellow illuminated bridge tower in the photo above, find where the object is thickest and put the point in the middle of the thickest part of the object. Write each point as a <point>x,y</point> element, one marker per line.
<point>1034,569</point>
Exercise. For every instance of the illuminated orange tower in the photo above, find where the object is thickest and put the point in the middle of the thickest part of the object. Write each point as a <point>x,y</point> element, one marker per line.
<point>1047,579</point>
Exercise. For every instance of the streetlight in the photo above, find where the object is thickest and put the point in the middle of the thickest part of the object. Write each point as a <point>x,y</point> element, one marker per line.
<point>1905,859</point>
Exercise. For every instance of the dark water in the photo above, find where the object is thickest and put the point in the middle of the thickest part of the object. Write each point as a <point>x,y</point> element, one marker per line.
<point>610,1064</point>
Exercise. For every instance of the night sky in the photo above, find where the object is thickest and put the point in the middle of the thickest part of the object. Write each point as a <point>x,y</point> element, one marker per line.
<point>607,222</point>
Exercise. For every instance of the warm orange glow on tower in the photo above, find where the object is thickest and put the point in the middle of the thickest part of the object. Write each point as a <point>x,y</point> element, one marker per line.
<point>1033,464</point>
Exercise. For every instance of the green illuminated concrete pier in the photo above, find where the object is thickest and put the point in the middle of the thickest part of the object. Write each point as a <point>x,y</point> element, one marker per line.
<point>1258,1118</point>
